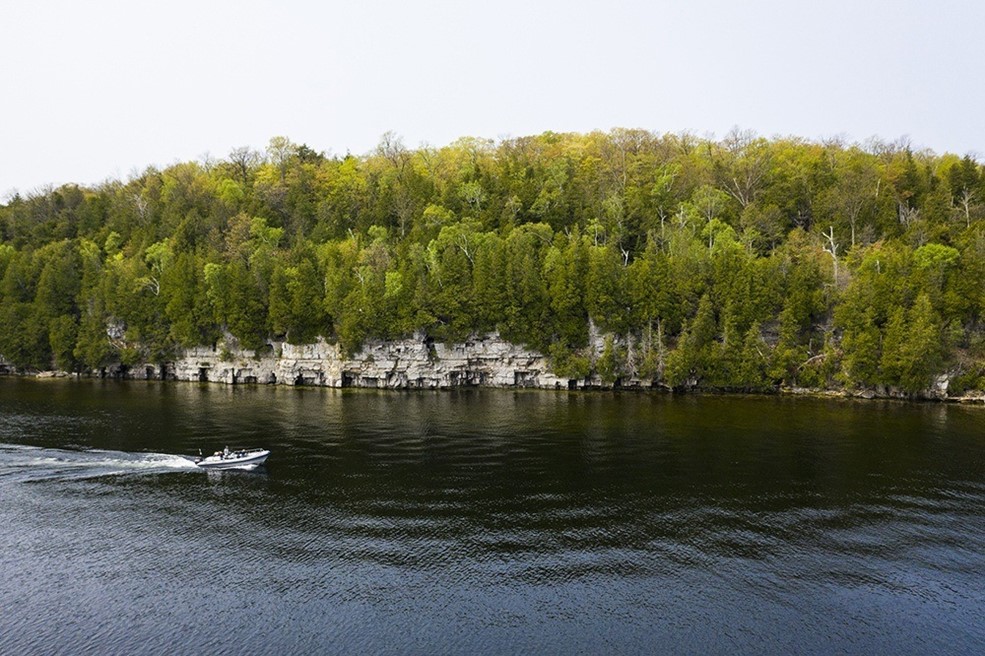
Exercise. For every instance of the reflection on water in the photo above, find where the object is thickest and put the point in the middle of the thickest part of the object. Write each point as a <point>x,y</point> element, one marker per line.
<point>490,522</point>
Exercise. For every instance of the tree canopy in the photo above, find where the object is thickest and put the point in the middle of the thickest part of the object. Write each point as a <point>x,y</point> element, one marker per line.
<point>740,263</point>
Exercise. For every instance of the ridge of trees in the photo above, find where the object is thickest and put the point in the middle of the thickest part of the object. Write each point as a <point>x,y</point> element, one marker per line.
<point>744,263</point>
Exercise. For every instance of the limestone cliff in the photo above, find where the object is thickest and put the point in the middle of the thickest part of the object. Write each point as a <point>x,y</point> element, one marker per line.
<point>413,363</point>
<point>403,364</point>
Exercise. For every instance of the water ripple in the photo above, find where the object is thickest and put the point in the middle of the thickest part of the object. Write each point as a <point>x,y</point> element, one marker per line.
<point>486,523</point>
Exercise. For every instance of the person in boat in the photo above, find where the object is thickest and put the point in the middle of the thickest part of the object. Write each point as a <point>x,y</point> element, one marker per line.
<point>225,452</point>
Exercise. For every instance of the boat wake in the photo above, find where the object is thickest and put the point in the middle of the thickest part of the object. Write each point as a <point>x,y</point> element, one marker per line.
<point>32,463</point>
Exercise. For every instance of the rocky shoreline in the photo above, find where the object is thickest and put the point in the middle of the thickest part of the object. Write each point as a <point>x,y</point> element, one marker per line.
<point>413,363</point>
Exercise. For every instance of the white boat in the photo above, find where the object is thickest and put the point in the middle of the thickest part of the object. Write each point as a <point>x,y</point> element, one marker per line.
<point>234,459</point>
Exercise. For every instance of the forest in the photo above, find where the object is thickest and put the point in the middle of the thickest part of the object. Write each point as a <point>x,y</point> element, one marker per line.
<point>741,263</point>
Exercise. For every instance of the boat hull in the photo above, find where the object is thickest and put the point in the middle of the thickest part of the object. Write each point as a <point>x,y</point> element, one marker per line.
<point>250,460</point>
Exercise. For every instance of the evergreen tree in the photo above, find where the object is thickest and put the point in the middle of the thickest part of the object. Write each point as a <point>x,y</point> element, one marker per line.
<point>647,236</point>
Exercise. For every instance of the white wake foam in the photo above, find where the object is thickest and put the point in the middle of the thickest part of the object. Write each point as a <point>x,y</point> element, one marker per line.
<point>42,463</point>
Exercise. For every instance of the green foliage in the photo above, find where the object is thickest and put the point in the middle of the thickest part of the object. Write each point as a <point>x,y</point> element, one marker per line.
<point>567,363</point>
<point>703,262</point>
<point>63,336</point>
<point>861,344</point>
<point>653,352</point>
<point>690,363</point>
<point>611,364</point>
<point>912,348</point>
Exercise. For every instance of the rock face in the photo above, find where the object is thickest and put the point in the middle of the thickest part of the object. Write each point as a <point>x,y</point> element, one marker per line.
<point>405,364</point>
<point>415,363</point>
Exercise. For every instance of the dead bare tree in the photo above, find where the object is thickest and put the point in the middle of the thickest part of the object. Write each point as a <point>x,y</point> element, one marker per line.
<point>907,214</point>
<point>244,159</point>
<point>965,201</point>
<point>741,165</point>
<point>832,250</point>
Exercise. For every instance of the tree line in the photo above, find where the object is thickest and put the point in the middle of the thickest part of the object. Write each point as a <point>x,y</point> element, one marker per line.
<point>742,263</point>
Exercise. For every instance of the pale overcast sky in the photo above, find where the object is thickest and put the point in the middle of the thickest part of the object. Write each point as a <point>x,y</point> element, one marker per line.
<point>102,89</point>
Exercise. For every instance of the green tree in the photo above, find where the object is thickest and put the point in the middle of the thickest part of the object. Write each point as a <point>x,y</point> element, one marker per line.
<point>912,348</point>
<point>605,298</point>
<point>611,364</point>
<point>861,346</point>
<point>688,364</point>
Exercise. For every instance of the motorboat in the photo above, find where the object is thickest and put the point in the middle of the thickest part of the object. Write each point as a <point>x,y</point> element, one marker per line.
<point>234,459</point>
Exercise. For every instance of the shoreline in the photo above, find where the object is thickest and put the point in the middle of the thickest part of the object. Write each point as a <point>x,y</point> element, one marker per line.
<point>413,363</point>
<point>977,397</point>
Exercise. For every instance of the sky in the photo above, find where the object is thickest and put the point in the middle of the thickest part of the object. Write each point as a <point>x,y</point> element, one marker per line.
<point>102,89</point>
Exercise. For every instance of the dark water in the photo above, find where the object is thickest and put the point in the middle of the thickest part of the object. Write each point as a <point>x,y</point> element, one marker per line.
<point>487,522</point>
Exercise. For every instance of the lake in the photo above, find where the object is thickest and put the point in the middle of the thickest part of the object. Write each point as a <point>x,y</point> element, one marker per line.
<point>486,522</point>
